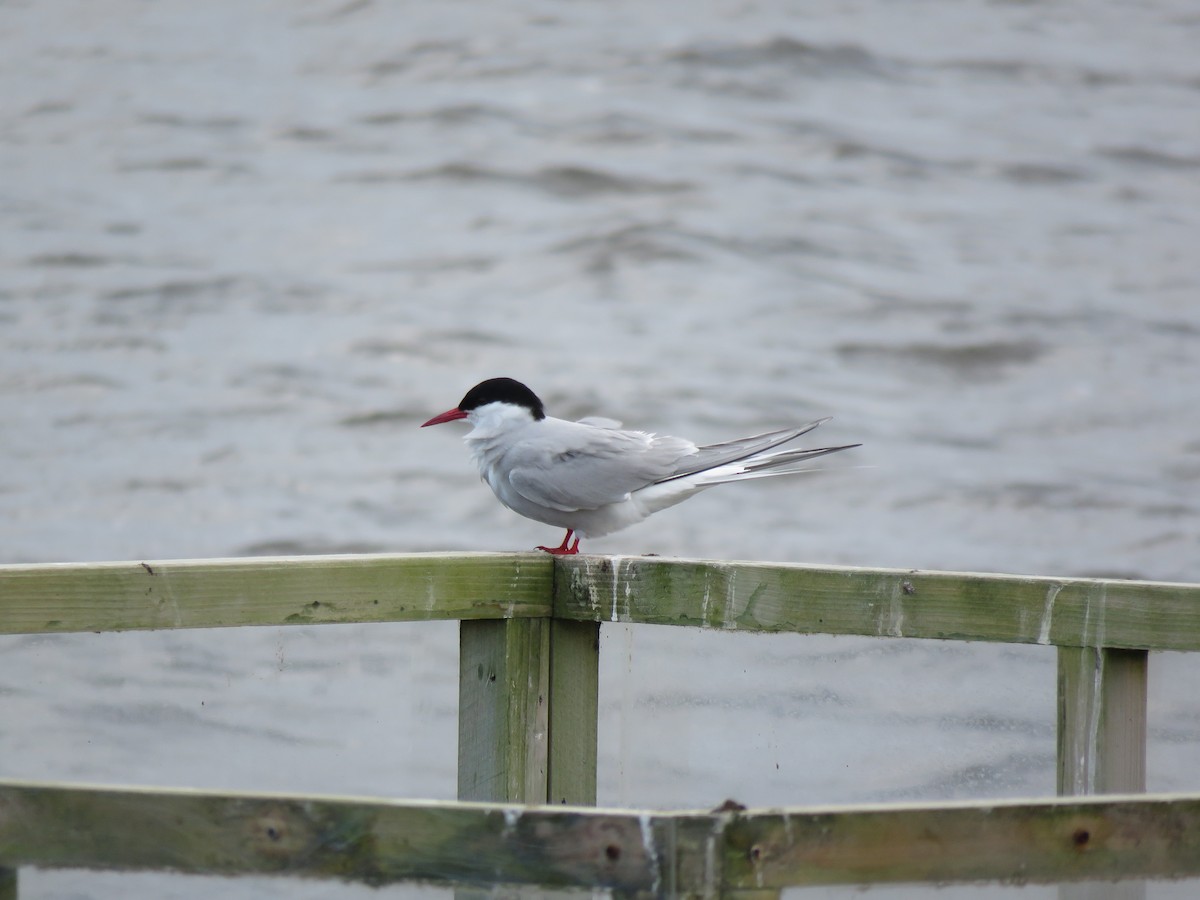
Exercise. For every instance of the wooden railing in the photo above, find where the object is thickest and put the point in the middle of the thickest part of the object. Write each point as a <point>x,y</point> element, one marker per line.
<point>528,728</point>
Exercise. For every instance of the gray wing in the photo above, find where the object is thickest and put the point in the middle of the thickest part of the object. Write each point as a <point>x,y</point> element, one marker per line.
<point>579,466</point>
<point>713,455</point>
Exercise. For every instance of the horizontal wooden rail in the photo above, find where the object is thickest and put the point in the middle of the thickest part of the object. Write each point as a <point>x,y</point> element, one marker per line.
<point>527,729</point>
<point>273,591</point>
<point>774,597</point>
<point>697,853</point>
<point>745,596</point>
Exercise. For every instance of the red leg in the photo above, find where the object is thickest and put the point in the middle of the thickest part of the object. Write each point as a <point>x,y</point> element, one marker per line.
<point>566,548</point>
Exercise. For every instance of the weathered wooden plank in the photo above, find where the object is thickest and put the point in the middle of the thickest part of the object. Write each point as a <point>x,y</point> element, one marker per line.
<point>774,597</point>
<point>664,854</point>
<point>8,884</point>
<point>1101,721</point>
<point>272,591</point>
<point>1102,738</point>
<point>748,596</point>
<point>1048,842</point>
<point>528,692</point>
<point>574,706</point>
<point>503,709</point>
<point>371,841</point>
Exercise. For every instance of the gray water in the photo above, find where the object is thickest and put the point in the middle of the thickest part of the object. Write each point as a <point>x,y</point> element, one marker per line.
<point>248,248</point>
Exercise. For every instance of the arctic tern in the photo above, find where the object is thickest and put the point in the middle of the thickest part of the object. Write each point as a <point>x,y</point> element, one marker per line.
<point>591,477</point>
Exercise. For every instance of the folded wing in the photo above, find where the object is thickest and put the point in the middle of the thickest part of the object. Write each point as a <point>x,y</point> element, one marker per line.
<point>579,466</point>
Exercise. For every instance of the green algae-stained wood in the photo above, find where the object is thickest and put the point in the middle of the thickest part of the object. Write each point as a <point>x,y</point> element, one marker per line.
<point>1131,836</point>
<point>631,852</point>
<point>367,840</point>
<point>1101,720</point>
<point>527,698</point>
<point>503,707</point>
<point>772,597</point>
<point>272,591</point>
<point>573,721</point>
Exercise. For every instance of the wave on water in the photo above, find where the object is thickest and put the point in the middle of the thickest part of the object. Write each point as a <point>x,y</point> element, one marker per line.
<point>1150,157</point>
<point>563,180</point>
<point>975,361</point>
<point>668,242</point>
<point>814,59</point>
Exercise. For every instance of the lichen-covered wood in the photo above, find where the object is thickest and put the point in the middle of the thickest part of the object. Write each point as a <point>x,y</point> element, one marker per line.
<point>503,708</point>
<point>774,597</point>
<point>371,841</point>
<point>631,852</point>
<point>1101,720</point>
<point>528,690</point>
<point>574,700</point>
<point>274,591</point>
<point>1052,841</point>
<point>527,730</point>
<point>708,594</point>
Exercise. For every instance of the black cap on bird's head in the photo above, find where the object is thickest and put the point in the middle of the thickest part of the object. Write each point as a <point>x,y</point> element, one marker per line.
<point>502,390</point>
<point>494,390</point>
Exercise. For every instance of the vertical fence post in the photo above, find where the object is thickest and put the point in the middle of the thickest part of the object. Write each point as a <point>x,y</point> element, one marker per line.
<point>1101,720</point>
<point>8,884</point>
<point>574,693</point>
<point>503,701</point>
<point>1102,737</point>
<point>527,704</point>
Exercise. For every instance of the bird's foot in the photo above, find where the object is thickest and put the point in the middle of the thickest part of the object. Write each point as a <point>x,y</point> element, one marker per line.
<point>566,548</point>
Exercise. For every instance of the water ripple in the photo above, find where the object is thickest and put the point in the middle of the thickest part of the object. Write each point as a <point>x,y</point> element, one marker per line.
<point>562,180</point>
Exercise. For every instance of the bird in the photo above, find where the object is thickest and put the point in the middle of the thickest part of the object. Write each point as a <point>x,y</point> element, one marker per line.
<point>591,477</point>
